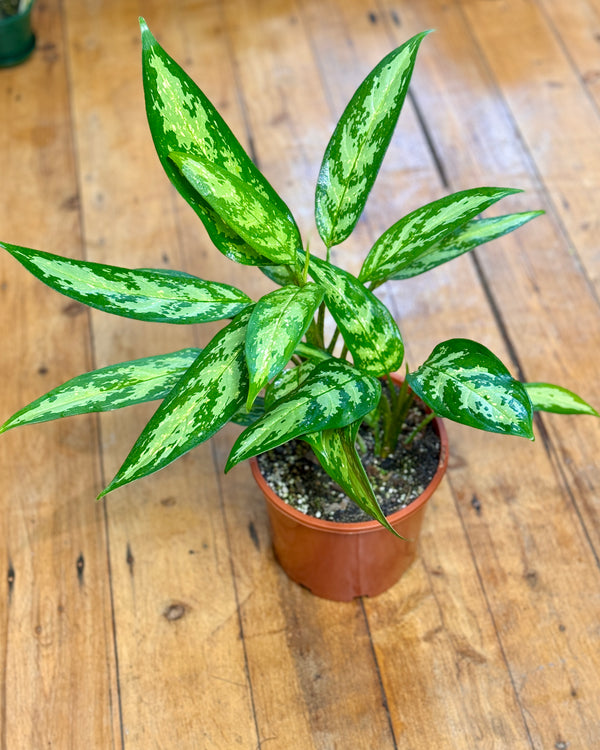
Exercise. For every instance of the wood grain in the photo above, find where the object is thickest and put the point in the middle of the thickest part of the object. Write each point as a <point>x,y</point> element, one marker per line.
<point>546,668</point>
<point>160,618</point>
<point>173,591</point>
<point>56,627</point>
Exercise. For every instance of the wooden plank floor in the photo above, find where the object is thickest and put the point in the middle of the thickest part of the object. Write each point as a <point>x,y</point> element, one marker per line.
<point>159,618</point>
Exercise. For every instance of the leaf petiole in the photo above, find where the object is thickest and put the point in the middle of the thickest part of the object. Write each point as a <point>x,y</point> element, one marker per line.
<point>421,426</point>
<point>333,342</point>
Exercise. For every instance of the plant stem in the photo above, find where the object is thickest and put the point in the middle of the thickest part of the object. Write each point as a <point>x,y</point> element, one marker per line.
<point>333,342</point>
<point>362,446</point>
<point>392,390</point>
<point>321,324</point>
<point>306,262</point>
<point>418,428</point>
<point>372,285</point>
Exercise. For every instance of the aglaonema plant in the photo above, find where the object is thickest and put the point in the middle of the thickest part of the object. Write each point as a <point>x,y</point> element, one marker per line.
<point>314,389</point>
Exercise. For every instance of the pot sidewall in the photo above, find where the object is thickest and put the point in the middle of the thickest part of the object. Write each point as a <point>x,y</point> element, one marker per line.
<point>341,561</point>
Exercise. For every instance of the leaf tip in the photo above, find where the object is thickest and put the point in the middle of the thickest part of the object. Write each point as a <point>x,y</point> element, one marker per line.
<point>112,485</point>
<point>418,38</point>
<point>148,39</point>
<point>236,456</point>
<point>250,400</point>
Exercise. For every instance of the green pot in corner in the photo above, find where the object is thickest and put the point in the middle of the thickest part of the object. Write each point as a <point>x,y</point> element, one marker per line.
<point>17,39</point>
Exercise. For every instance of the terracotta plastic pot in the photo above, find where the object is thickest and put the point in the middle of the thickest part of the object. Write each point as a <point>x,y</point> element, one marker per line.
<point>340,561</point>
<point>17,40</point>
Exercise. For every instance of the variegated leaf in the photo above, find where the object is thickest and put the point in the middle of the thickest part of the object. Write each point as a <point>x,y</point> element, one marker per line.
<point>246,418</point>
<point>411,237</point>
<point>336,451</point>
<point>334,395</point>
<point>112,387</point>
<point>278,322</point>
<point>155,296</point>
<point>287,382</point>
<point>462,240</point>
<point>181,118</point>
<point>554,398</point>
<point>209,394</point>
<point>366,324</point>
<point>464,381</point>
<point>359,142</point>
<point>260,223</point>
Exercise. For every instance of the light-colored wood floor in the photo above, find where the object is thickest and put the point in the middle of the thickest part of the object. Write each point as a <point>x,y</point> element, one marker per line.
<point>158,618</point>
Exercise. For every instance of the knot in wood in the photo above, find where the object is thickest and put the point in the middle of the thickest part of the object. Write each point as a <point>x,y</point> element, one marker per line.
<point>174,611</point>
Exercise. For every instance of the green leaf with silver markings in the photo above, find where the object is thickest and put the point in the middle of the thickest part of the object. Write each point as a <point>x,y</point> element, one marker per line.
<point>558,400</point>
<point>181,118</point>
<point>462,240</point>
<point>334,394</point>
<point>370,332</point>
<point>354,154</point>
<point>287,382</point>
<point>112,387</point>
<point>209,394</point>
<point>336,451</point>
<point>411,237</point>
<point>278,322</point>
<point>155,296</point>
<point>465,382</point>
<point>246,418</point>
<point>258,221</point>
<point>116,387</point>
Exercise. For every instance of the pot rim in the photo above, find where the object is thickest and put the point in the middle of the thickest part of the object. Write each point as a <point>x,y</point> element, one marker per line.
<point>358,527</point>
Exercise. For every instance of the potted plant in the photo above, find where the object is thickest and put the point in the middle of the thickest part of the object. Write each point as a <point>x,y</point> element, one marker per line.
<point>316,388</point>
<point>17,40</point>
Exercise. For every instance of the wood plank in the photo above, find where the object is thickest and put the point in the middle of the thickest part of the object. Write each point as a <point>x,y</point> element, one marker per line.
<point>523,551</point>
<point>425,626</point>
<point>522,279</point>
<point>183,680</point>
<point>525,283</point>
<point>577,27</point>
<point>486,680</point>
<point>57,662</point>
<point>296,645</point>
<point>562,130</point>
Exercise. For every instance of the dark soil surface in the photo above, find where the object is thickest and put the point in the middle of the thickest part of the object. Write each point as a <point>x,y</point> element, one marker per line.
<point>293,472</point>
